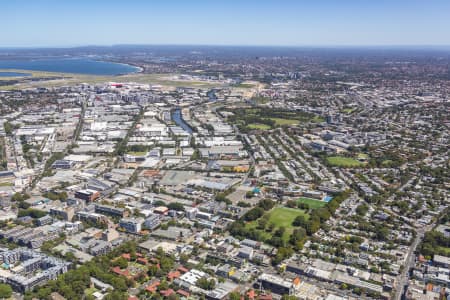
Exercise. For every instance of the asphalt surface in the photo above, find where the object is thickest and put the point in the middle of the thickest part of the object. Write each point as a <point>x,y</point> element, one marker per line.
<point>410,261</point>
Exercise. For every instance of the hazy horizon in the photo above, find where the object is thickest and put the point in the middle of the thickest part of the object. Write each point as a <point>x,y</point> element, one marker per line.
<point>324,46</point>
<point>285,23</point>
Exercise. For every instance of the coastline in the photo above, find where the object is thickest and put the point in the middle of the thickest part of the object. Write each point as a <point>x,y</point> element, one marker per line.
<point>139,69</point>
<point>132,69</point>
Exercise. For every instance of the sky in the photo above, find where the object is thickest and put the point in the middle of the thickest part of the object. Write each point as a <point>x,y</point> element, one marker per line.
<point>63,23</point>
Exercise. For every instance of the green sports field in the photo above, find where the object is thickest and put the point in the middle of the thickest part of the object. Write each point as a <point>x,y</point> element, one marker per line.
<point>313,203</point>
<point>346,162</point>
<point>280,217</point>
<point>259,126</point>
<point>280,121</point>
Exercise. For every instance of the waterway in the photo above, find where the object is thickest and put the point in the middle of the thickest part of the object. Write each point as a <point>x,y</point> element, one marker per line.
<point>69,65</point>
<point>178,119</point>
<point>13,74</point>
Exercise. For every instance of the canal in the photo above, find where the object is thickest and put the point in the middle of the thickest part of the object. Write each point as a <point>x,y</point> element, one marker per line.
<point>178,119</point>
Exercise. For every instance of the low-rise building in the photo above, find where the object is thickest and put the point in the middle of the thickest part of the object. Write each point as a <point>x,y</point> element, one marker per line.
<point>131,225</point>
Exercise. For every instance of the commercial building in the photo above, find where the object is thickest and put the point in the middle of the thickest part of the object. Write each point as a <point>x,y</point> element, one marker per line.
<point>111,210</point>
<point>441,261</point>
<point>63,164</point>
<point>131,225</point>
<point>356,282</point>
<point>45,220</point>
<point>87,195</point>
<point>152,222</point>
<point>66,213</point>
<point>275,284</point>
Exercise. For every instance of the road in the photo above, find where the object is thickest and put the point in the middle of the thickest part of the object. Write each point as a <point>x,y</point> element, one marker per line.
<point>400,189</point>
<point>402,280</point>
<point>253,162</point>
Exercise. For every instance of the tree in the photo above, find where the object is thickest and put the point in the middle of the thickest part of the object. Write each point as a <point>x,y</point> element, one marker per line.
<point>121,263</point>
<point>159,203</point>
<point>63,196</point>
<point>280,231</point>
<point>17,197</point>
<point>166,264</point>
<point>291,204</point>
<point>176,206</point>
<point>8,128</point>
<point>196,155</point>
<point>362,209</point>
<point>266,204</point>
<point>234,296</point>
<point>24,205</point>
<point>243,204</point>
<point>51,196</point>
<point>277,241</point>
<point>173,297</point>
<point>323,213</point>
<point>297,238</point>
<point>253,214</point>
<point>303,205</point>
<point>299,221</point>
<point>119,284</point>
<point>262,223</point>
<point>70,256</point>
<point>282,253</point>
<point>43,293</point>
<point>381,232</point>
<point>270,227</point>
<point>221,197</point>
<point>5,290</point>
<point>34,213</point>
<point>344,286</point>
<point>116,295</point>
<point>312,225</point>
<point>206,284</point>
<point>184,258</point>
<point>152,270</point>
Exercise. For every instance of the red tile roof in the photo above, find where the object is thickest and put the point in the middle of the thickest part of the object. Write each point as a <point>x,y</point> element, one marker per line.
<point>167,293</point>
<point>422,258</point>
<point>152,287</point>
<point>118,271</point>
<point>251,294</point>
<point>173,274</point>
<point>183,293</point>
<point>142,260</point>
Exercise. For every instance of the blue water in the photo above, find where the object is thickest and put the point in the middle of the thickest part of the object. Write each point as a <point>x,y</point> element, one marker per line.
<point>177,118</point>
<point>69,65</point>
<point>13,74</point>
<point>328,198</point>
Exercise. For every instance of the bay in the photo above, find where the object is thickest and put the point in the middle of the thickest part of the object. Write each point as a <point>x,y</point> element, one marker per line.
<point>70,65</point>
<point>13,74</point>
